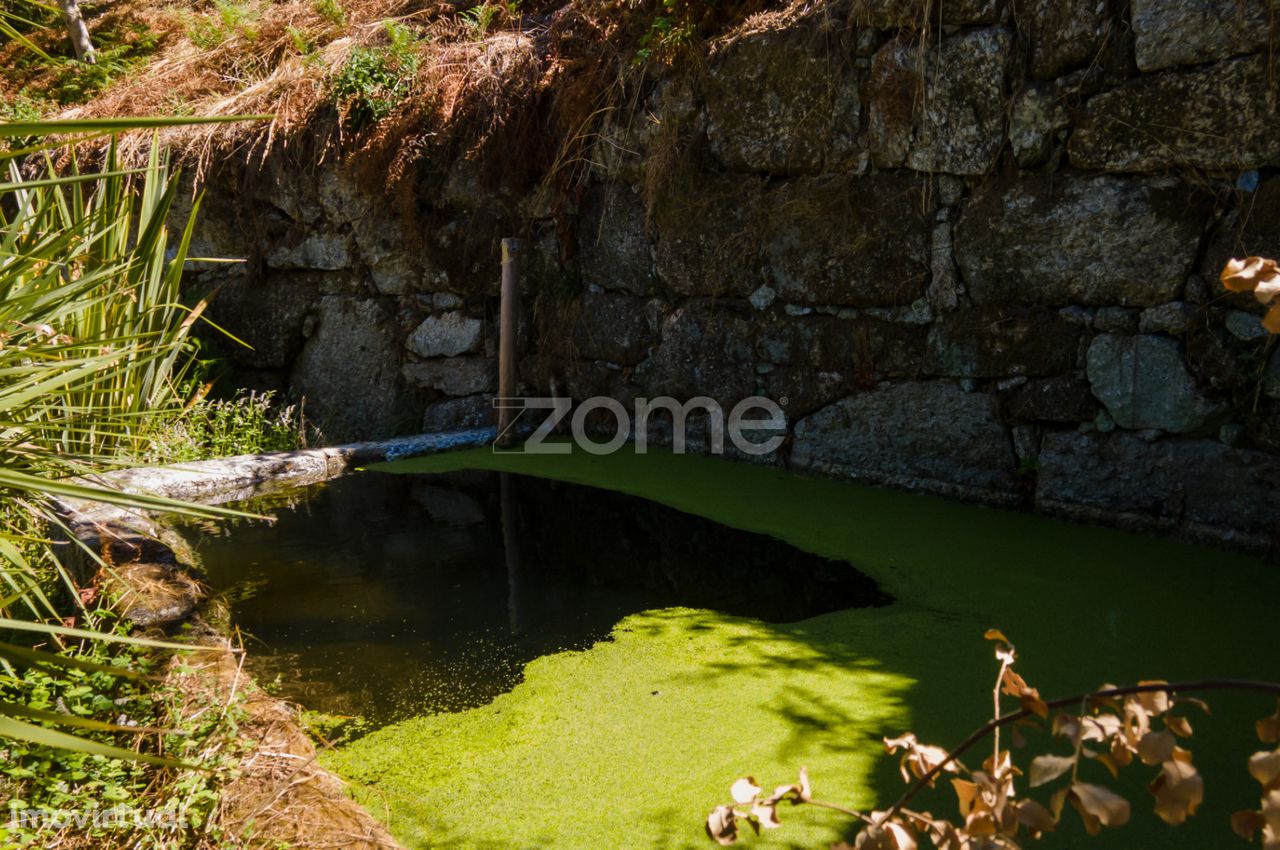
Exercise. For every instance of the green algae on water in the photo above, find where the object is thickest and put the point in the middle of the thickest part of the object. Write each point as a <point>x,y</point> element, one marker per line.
<point>630,743</point>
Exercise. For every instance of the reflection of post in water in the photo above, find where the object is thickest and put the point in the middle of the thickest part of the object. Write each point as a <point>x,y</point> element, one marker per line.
<point>511,548</point>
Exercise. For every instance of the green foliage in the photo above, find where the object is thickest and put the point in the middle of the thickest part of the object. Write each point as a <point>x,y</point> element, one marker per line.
<point>331,11</point>
<point>21,107</point>
<point>301,43</point>
<point>91,308</point>
<point>480,18</point>
<point>93,342</point>
<point>129,713</point>
<point>122,48</point>
<point>249,423</point>
<point>229,19</point>
<point>677,24</point>
<point>375,79</point>
<point>119,52</point>
<point>666,35</point>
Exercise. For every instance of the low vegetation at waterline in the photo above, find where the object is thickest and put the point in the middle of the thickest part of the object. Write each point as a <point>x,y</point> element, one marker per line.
<point>103,742</point>
<point>1113,726</point>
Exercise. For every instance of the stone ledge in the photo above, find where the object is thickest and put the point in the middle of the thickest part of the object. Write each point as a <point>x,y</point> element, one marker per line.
<point>230,479</point>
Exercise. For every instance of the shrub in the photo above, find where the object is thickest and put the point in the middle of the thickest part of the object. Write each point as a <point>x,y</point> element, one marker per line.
<point>375,79</point>
<point>248,423</point>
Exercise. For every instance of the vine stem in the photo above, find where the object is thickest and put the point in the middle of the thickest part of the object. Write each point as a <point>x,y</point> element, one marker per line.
<point>1014,716</point>
<point>995,709</point>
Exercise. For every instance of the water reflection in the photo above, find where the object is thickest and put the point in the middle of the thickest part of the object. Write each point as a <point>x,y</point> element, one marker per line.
<point>397,595</point>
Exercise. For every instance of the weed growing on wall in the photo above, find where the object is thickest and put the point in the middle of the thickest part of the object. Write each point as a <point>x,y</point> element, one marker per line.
<point>375,79</point>
<point>480,18</point>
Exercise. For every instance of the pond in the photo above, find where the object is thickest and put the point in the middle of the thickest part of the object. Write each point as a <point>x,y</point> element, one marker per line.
<point>558,738</point>
<point>390,596</point>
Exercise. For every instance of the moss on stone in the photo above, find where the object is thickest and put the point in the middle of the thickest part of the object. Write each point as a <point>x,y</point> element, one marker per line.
<point>630,743</point>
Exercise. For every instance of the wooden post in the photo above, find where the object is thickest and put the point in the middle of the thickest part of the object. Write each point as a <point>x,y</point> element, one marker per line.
<point>508,326</point>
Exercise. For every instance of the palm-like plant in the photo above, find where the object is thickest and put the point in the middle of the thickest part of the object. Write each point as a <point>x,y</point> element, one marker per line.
<point>93,341</point>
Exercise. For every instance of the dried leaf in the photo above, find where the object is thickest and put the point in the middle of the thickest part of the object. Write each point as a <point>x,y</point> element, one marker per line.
<point>1108,762</point>
<point>1057,800</point>
<point>806,790</point>
<point>1269,727</point>
<point>1098,806</point>
<point>1045,769</point>
<point>902,836</point>
<point>1032,703</point>
<point>1153,702</point>
<point>1156,747</point>
<point>1271,814</point>
<point>766,814</point>
<point>780,793</point>
<point>1066,724</point>
<point>1120,752</point>
<point>944,835</point>
<point>1015,686</point>
<point>1112,703</point>
<point>1267,289</point>
<point>966,793</point>
<point>722,825</point>
<point>1246,823</point>
<point>917,759</point>
<point>888,836</point>
<point>1196,701</point>
<point>1265,766</point>
<point>1101,727</point>
<point>1179,791</point>
<point>1035,817</point>
<point>996,634</point>
<point>744,790</point>
<point>1244,275</point>
<point>1178,725</point>
<point>1271,321</point>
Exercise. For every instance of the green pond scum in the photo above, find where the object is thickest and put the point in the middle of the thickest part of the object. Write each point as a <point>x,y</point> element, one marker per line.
<point>631,743</point>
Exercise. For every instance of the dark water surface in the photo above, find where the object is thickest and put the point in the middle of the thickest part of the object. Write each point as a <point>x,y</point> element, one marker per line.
<point>389,596</point>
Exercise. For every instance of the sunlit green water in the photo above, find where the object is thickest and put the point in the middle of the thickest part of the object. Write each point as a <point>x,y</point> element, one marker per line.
<point>628,744</point>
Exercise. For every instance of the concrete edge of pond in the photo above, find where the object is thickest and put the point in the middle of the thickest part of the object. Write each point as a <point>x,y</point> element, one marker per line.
<point>152,578</point>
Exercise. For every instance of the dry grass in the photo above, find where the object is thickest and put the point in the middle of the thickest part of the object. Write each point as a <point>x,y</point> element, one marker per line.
<point>279,796</point>
<point>522,100</point>
<point>505,96</point>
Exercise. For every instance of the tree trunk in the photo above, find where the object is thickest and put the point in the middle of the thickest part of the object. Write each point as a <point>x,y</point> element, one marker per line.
<point>78,31</point>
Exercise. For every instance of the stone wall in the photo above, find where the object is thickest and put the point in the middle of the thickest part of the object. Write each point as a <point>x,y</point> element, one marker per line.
<point>978,259</point>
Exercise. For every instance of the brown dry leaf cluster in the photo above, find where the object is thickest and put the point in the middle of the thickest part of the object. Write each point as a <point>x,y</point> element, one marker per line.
<point>761,812</point>
<point>1260,276</point>
<point>1145,724</point>
<point>1264,766</point>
